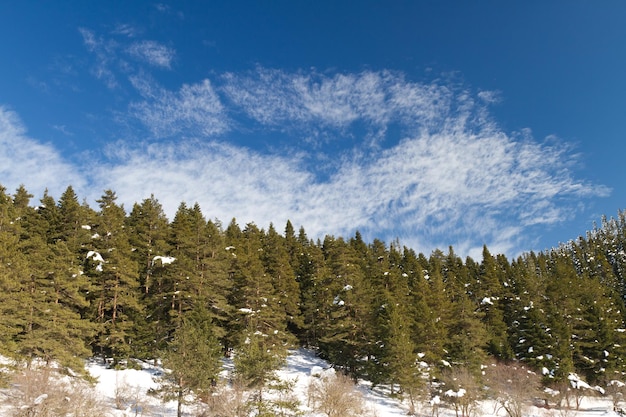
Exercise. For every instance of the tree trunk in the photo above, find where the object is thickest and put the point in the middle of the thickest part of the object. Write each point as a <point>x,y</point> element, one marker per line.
<point>180,403</point>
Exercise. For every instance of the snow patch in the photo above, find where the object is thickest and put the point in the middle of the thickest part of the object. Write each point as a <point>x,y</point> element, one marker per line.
<point>165,260</point>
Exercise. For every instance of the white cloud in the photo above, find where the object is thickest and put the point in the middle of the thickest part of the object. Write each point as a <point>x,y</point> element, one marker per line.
<point>227,181</point>
<point>195,109</point>
<point>454,179</point>
<point>431,191</point>
<point>26,161</point>
<point>127,30</point>
<point>104,50</point>
<point>278,98</point>
<point>461,185</point>
<point>274,97</point>
<point>153,53</point>
<point>489,96</point>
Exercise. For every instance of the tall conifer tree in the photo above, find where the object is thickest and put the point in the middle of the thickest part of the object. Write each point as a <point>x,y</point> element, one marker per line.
<point>112,269</point>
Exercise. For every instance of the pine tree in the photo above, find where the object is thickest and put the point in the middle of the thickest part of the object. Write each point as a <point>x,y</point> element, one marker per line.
<point>217,269</point>
<point>115,296</point>
<point>277,266</point>
<point>256,361</point>
<point>401,356</point>
<point>345,332</point>
<point>466,333</point>
<point>192,359</point>
<point>389,288</point>
<point>490,296</point>
<point>529,336</point>
<point>53,326</point>
<point>13,266</point>
<point>310,270</point>
<point>561,309</point>
<point>254,295</point>
<point>432,306</point>
<point>149,229</point>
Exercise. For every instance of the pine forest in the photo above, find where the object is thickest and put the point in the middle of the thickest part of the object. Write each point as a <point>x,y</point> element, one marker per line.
<point>78,282</point>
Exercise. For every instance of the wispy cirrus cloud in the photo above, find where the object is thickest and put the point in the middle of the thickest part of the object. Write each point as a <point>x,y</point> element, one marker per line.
<point>24,160</point>
<point>153,53</point>
<point>126,29</point>
<point>194,109</point>
<point>108,52</point>
<point>376,98</point>
<point>468,187</point>
<point>453,188</point>
<point>451,177</point>
<point>226,180</point>
<point>105,53</point>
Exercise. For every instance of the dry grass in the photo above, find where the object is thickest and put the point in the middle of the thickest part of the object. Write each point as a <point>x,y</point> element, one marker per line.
<point>462,390</point>
<point>335,395</point>
<point>130,397</point>
<point>229,401</point>
<point>42,392</point>
<point>513,387</point>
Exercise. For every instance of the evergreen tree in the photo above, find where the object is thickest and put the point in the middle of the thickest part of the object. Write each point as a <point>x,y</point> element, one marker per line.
<point>115,296</point>
<point>466,336</point>
<point>254,295</point>
<point>432,308</point>
<point>529,336</point>
<point>148,233</point>
<point>53,328</point>
<point>13,266</point>
<point>401,357</point>
<point>310,270</point>
<point>149,229</point>
<point>561,309</point>
<point>491,297</point>
<point>256,361</point>
<point>345,332</point>
<point>189,286</point>
<point>389,289</point>
<point>192,360</point>
<point>217,269</point>
<point>277,266</point>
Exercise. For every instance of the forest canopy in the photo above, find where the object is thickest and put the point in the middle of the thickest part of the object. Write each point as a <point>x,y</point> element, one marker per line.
<point>77,282</point>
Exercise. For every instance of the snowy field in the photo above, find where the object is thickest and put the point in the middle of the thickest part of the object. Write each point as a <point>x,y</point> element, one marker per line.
<point>125,394</point>
<point>300,367</point>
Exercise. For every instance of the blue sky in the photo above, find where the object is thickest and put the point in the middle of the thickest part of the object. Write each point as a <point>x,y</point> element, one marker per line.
<point>435,122</point>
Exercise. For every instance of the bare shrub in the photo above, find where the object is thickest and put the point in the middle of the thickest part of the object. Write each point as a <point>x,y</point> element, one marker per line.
<point>235,400</point>
<point>228,401</point>
<point>512,386</point>
<point>572,391</point>
<point>42,392</point>
<point>617,391</point>
<point>130,397</point>
<point>122,392</point>
<point>335,395</point>
<point>462,390</point>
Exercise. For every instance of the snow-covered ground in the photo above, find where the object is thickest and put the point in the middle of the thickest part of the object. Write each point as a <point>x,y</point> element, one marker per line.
<point>125,393</point>
<point>300,367</point>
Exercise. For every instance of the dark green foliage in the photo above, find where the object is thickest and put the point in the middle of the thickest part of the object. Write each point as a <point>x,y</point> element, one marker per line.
<point>346,305</point>
<point>115,292</point>
<point>310,269</point>
<point>402,364</point>
<point>132,285</point>
<point>256,360</point>
<point>276,261</point>
<point>13,266</point>
<point>192,359</point>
